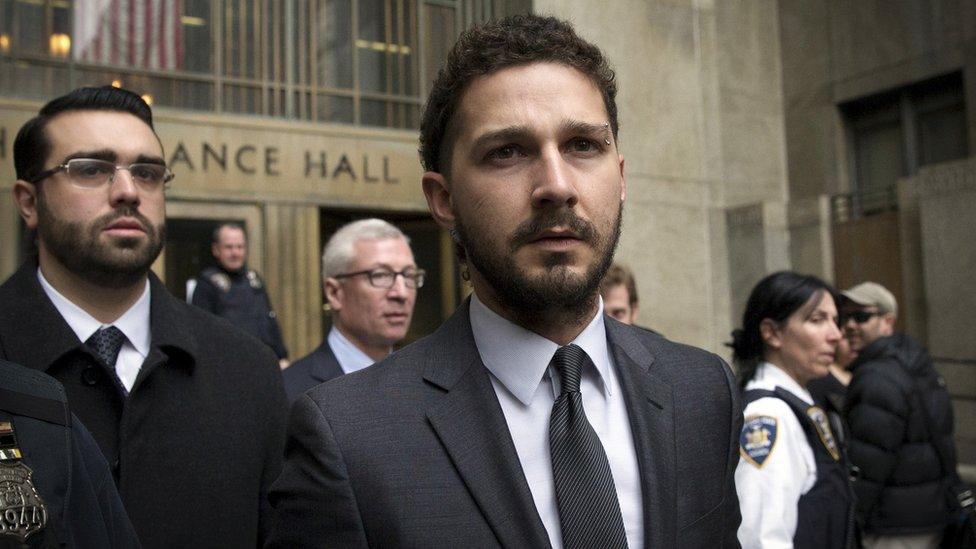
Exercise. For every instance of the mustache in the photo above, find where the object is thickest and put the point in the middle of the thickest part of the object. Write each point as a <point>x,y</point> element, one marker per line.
<point>124,211</point>
<point>529,229</point>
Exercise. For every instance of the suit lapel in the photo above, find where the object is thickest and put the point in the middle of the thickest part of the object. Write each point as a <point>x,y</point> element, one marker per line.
<point>471,426</point>
<point>325,366</point>
<point>651,409</point>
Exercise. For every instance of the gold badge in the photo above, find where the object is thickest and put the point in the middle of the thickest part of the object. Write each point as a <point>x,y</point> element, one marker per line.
<point>822,424</point>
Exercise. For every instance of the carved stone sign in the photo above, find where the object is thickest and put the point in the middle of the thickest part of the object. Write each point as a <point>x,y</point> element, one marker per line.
<point>224,158</point>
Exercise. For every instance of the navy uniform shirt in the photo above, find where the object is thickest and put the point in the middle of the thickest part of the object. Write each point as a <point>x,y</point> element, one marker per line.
<point>241,298</point>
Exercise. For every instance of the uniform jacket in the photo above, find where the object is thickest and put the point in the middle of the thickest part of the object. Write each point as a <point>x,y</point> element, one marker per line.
<point>415,451</point>
<point>242,299</point>
<point>198,441</point>
<point>68,471</point>
<point>318,367</point>
<point>901,488</point>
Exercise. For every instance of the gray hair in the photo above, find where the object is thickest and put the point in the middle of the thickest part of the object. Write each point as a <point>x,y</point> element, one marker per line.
<point>338,251</point>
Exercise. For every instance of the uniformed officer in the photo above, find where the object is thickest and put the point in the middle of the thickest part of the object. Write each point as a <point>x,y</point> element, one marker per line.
<point>56,489</point>
<point>792,478</point>
<point>233,291</point>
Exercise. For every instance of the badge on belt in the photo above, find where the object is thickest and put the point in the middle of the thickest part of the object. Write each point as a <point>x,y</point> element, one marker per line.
<point>22,511</point>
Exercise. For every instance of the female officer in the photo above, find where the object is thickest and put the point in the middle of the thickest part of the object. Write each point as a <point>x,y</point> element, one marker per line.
<point>792,479</point>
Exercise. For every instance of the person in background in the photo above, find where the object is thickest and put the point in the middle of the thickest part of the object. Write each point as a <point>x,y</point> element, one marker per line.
<point>188,410</point>
<point>236,292</point>
<point>370,282</point>
<point>830,391</point>
<point>792,479</point>
<point>619,293</point>
<point>900,422</point>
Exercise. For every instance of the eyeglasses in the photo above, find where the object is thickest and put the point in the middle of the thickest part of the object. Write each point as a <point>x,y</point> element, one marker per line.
<point>92,173</point>
<point>859,316</point>
<point>386,278</point>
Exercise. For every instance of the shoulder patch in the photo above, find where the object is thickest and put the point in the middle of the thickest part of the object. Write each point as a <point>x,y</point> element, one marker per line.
<point>822,424</point>
<point>220,280</point>
<point>757,440</point>
<point>254,280</point>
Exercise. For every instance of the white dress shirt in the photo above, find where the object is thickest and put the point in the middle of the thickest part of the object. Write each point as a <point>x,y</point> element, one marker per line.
<point>134,324</point>
<point>526,389</point>
<point>350,358</point>
<point>769,495</point>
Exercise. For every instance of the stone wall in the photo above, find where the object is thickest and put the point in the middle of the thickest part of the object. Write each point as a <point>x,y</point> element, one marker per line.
<point>700,107</point>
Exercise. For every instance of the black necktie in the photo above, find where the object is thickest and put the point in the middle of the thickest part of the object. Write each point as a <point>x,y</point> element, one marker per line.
<point>585,495</point>
<point>106,344</point>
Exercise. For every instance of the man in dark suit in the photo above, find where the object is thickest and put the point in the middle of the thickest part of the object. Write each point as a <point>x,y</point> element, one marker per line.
<point>188,410</point>
<point>370,282</point>
<point>529,418</point>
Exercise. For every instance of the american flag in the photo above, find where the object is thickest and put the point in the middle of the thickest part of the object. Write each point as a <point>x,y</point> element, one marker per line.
<point>140,34</point>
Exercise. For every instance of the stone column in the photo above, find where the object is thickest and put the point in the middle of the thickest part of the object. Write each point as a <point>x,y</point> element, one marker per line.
<point>292,269</point>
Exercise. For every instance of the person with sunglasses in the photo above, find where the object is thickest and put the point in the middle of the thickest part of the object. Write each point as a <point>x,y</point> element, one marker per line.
<point>900,424</point>
<point>370,283</point>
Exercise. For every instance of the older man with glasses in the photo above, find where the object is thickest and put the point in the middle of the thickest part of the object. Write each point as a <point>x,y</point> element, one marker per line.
<point>370,283</point>
<point>900,422</point>
<point>189,412</point>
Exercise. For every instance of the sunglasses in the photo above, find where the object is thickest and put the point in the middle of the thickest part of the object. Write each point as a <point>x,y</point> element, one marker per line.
<point>859,316</point>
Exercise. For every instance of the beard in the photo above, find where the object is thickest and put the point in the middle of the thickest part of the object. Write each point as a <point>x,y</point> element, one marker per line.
<point>559,288</point>
<point>76,245</point>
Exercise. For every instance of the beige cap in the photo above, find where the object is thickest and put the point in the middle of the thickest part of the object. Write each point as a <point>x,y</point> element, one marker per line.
<point>873,294</point>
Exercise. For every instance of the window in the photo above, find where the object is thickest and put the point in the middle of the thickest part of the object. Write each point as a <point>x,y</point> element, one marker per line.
<point>895,133</point>
<point>362,62</point>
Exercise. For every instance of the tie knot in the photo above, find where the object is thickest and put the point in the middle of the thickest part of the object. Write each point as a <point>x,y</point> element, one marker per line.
<point>106,343</point>
<point>569,361</point>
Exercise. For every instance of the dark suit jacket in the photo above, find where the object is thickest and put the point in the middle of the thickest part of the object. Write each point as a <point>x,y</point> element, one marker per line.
<point>198,441</point>
<point>318,367</point>
<point>68,471</point>
<point>415,451</point>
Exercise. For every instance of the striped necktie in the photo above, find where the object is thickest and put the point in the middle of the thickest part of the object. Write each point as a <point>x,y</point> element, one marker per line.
<point>589,511</point>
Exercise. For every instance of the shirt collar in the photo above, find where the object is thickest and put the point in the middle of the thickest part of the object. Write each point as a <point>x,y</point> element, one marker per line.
<point>771,375</point>
<point>520,358</point>
<point>351,358</point>
<point>134,323</point>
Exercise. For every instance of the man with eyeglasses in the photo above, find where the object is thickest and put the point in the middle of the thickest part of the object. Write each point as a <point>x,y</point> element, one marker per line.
<point>900,427</point>
<point>370,283</point>
<point>188,412</point>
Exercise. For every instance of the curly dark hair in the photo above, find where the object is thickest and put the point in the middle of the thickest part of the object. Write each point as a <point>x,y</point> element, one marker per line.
<point>513,41</point>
